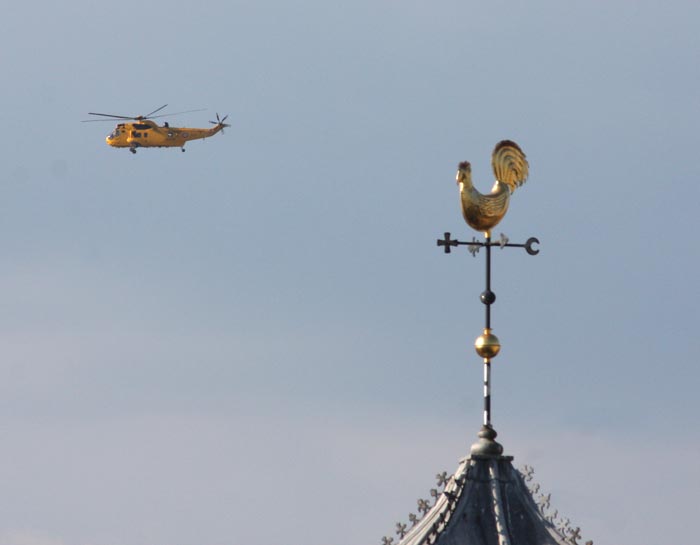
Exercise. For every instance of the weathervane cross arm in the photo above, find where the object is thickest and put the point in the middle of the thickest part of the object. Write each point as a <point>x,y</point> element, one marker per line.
<point>447,242</point>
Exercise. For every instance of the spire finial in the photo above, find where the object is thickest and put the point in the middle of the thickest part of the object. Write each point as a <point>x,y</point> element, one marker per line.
<point>479,211</point>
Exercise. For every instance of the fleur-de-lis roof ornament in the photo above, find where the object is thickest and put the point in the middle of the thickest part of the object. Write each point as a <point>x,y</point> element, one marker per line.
<point>401,529</point>
<point>528,472</point>
<point>575,535</point>
<point>423,506</point>
<point>564,525</point>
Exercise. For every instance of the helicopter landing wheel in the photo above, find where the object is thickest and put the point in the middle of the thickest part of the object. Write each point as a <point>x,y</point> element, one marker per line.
<point>182,150</point>
<point>132,150</point>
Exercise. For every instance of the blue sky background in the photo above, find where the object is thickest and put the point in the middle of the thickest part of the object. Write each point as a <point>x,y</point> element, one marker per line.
<point>258,342</point>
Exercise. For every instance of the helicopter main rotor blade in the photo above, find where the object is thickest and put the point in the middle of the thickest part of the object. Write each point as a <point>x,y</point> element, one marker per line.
<point>101,120</point>
<point>110,115</point>
<point>154,111</point>
<point>174,113</point>
<point>138,117</point>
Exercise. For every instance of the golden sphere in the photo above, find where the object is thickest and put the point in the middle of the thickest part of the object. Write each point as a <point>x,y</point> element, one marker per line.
<point>487,345</point>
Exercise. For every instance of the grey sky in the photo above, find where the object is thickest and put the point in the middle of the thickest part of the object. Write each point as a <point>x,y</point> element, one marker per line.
<point>257,340</point>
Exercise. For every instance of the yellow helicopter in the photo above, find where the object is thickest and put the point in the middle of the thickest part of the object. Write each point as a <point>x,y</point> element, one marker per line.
<point>146,133</point>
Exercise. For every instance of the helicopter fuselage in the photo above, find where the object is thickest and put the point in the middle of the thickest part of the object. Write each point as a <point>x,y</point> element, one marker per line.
<point>148,134</point>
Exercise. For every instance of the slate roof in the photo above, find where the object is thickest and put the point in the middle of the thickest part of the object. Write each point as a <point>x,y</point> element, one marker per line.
<point>487,501</point>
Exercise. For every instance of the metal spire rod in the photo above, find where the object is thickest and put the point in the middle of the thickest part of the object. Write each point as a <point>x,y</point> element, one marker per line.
<point>487,297</point>
<point>487,344</point>
<point>488,293</point>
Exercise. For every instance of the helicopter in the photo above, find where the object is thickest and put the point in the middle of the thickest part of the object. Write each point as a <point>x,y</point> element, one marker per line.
<point>143,132</point>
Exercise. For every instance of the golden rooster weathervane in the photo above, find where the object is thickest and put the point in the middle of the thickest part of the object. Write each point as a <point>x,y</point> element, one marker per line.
<point>483,212</point>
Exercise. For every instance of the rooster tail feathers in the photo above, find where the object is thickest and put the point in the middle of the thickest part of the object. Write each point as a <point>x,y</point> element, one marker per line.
<point>509,164</point>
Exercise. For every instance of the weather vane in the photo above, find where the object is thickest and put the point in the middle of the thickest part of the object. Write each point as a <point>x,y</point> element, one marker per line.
<point>483,212</point>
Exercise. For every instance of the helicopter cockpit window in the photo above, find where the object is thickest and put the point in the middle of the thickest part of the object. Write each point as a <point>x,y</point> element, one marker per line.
<point>113,134</point>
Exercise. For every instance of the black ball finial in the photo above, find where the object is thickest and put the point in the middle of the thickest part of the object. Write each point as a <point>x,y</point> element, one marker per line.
<point>487,297</point>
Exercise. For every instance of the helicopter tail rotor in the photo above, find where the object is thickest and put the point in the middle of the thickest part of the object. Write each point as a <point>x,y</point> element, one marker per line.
<point>220,122</point>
